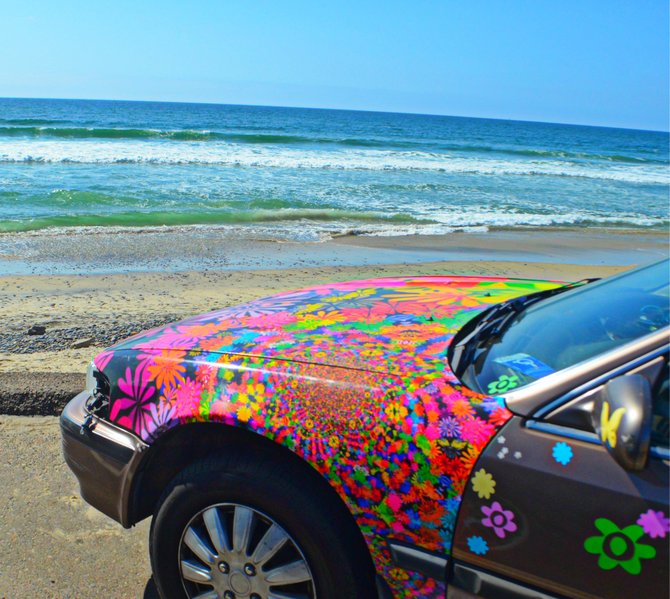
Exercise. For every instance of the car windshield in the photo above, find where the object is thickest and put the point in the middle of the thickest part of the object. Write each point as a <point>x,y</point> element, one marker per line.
<point>567,328</point>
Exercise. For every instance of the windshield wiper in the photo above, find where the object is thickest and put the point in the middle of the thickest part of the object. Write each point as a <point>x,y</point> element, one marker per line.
<point>493,322</point>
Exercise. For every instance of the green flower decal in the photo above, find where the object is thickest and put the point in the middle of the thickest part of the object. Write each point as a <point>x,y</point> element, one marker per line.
<point>503,383</point>
<point>619,547</point>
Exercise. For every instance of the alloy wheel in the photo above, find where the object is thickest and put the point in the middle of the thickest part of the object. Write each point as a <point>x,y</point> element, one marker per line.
<point>233,551</point>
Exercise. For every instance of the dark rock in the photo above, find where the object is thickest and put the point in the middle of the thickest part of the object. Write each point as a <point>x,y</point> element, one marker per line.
<point>81,343</point>
<point>37,329</point>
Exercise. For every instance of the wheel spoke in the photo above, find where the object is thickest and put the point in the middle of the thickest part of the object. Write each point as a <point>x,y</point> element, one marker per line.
<point>288,574</point>
<point>272,541</point>
<point>195,572</point>
<point>282,595</point>
<point>217,533</point>
<point>242,523</point>
<point>198,546</point>
<point>226,539</point>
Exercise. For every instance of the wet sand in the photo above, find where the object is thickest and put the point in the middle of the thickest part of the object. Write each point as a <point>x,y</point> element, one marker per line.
<point>196,248</point>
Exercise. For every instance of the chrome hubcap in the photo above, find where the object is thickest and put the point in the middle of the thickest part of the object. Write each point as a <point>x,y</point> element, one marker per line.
<point>231,551</point>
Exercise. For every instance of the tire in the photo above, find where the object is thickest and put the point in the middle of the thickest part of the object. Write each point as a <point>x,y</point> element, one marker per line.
<point>249,496</point>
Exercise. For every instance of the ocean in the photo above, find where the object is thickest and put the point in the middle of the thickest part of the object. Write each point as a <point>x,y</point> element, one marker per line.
<point>311,174</point>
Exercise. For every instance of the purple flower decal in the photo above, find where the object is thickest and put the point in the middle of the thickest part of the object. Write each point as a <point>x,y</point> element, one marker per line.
<point>449,427</point>
<point>162,418</point>
<point>491,404</point>
<point>655,524</point>
<point>499,519</point>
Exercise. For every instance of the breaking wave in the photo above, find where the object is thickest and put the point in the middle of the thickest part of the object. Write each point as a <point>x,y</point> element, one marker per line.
<point>237,155</point>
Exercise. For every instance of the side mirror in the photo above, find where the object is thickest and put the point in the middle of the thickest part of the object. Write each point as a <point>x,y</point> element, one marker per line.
<point>622,420</point>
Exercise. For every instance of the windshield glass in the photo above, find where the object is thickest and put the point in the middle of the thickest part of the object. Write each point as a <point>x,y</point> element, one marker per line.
<point>558,332</point>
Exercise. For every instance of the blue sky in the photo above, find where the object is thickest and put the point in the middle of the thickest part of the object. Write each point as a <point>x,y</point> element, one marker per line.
<point>601,62</point>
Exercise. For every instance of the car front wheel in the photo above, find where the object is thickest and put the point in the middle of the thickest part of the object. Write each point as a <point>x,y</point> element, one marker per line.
<point>244,527</point>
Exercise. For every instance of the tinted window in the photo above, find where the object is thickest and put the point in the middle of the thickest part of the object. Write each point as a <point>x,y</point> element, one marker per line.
<point>572,327</point>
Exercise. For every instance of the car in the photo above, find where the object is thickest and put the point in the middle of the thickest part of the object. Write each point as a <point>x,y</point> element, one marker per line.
<point>395,437</point>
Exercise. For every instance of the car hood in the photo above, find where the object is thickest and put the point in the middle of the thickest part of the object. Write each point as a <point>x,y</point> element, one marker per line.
<point>384,325</point>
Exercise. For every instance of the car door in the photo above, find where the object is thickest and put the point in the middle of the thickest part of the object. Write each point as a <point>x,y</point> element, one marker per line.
<point>549,511</point>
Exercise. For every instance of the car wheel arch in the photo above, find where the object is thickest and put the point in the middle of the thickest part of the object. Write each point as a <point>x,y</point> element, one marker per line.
<point>204,440</point>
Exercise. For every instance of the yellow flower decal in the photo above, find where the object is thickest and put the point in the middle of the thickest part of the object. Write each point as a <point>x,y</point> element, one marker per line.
<point>483,484</point>
<point>610,425</point>
<point>243,413</point>
<point>396,412</point>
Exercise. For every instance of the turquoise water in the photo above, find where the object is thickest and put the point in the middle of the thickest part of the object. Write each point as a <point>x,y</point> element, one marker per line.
<point>311,174</point>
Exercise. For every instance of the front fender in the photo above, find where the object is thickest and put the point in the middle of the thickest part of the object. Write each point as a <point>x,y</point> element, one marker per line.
<point>397,450</point>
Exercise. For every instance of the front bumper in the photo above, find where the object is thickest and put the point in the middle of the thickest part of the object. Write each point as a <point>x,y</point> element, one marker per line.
<point>103,457</point>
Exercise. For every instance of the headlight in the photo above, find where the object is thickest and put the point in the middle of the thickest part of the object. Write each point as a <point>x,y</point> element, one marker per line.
<point>97,387</point>
<point>92,374</point>
<point>96,382</point>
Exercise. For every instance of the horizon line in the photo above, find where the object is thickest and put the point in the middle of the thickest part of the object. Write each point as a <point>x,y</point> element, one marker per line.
<point>459,116</point>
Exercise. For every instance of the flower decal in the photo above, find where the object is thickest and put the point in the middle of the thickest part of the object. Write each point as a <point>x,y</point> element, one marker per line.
<point>483,484</point>
<point>562,453</point>
<point>477,545</point>
<point>503,383</point>
<point>499,519</point>
<point>654,524</point>
<point>619,546</point>
<point>132,409</point>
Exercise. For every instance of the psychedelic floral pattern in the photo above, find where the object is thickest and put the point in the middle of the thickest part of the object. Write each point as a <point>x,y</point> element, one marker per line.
<point>352,377</point>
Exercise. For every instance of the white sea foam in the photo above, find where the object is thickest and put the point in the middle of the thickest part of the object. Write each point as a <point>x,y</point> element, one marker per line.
<point>228,154</point>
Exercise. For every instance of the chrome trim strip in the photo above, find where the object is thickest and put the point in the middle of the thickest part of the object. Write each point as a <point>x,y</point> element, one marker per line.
<point>662,453</point>
<point>75,412</point>
<point>572,433</point>
<point>485,584</point>
<point>563,431</point>
<point>527,400</point>
<point>416,559</point>
<point>544,410</point>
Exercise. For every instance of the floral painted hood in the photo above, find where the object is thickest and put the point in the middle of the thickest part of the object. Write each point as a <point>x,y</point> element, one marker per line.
<point>353,378</point>
<point>381,325</point>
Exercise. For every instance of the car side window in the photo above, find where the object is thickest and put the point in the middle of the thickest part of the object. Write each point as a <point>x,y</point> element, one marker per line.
<point>660,422</point>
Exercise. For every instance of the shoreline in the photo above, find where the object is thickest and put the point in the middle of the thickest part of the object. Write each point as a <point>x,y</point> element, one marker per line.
<point>203,249</point>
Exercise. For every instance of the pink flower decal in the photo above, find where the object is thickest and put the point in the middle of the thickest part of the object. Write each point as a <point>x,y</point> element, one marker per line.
<point>499,519</point>
<point>139,393</point>
<point>102,359</point>
<point>188,398</point>
<point>655,524</point>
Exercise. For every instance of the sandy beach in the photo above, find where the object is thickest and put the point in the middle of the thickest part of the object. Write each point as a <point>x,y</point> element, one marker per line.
<point>63,298</point>
<point>55,323</point>
<point>76,315</point>
<point>82,313</point>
